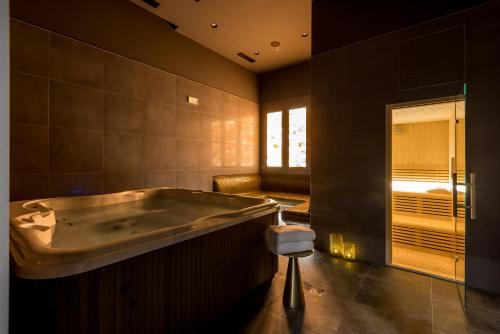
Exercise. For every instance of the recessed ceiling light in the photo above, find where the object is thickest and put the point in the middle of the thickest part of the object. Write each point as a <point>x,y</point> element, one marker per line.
<point>255,52</point>
<point>213,25</point>
<point>275,44</point>
<point>304,34</point>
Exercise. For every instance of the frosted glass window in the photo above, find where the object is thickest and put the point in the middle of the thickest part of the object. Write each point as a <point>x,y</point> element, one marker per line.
<point>297,137</point>
<point>274,141</point>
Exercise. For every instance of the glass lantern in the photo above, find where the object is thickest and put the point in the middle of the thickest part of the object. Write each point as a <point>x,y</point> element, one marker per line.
<point>336,244</point>
<point>349,251</point>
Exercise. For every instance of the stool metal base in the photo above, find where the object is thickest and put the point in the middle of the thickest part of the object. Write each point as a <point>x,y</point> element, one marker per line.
<point>293,296</point>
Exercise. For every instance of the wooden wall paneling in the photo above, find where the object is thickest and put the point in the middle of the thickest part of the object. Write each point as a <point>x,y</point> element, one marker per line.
<point>175,289</point>
<point>420,146</point>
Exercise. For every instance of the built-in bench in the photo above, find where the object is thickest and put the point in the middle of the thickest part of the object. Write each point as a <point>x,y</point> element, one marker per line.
<point>254,185</point>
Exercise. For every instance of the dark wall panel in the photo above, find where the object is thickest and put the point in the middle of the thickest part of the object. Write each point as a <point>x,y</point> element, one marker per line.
<point>124,28</point>
<point>340,23</point>
<point>431,59</point>
<point>351,88</point>
<point>289,82</point>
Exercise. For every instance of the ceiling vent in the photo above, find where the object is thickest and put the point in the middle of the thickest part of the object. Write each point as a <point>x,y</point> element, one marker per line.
<point>172,25</point>
<point>152,3</point>
<point>246,57</point>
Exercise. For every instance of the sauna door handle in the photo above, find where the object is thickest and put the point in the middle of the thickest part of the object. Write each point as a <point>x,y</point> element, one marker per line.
<point>454,195</point>
<point>472,194</point>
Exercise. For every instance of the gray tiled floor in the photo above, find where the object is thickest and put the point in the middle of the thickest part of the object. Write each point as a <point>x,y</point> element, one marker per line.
<point>344,297</point>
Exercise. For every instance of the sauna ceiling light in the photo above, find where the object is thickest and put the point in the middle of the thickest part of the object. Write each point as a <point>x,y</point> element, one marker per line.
<point>214,25</point>
<point>255,52</point>
<point>304,34</point>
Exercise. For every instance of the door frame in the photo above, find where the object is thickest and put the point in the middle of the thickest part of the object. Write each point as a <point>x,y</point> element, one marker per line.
<point>388,177</point>
<point>4,164</point>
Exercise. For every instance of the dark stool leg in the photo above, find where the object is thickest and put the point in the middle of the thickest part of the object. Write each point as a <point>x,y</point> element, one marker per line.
<point>293,296</point>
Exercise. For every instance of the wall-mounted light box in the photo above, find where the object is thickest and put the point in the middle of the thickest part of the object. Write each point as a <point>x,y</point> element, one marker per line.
<point>192,100</point>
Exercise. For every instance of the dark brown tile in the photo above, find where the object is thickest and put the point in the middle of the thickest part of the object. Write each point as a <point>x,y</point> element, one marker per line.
<point>188,154</point>
<point>190,179</point>
<point>159,178</point>
<point>124,76</point>
<point>450,317</point>
<point>29,48</point>
<point>483,300</point>
<point>29,186</point>
<point>333,274</point>
<point>365,320</point>
<point>159,152</point>
<point>401,294</point>
<point>160,120</point>
<point>432,59</point>
<point>160,86</point>
<point>75,106</point>
<point>123,114</point>
<point>74,150</point>
<point>29,148</point>
<point>29,99</point>
<point>76,184</point>
<point>75,62</point>
<point>116,182</point>
<point>323,311</point>
<point>122,152</point>
<point>188,124</point>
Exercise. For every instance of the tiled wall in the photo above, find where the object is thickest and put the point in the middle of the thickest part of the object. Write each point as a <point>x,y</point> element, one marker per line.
<point>351,87</point>
<point>86,121</point>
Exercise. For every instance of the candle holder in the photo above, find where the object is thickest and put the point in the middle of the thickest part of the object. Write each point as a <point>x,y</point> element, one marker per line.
<point>349,251</point>
<point>336,244</point>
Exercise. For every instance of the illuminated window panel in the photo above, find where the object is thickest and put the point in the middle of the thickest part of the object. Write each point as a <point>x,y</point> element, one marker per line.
<point>274,141</point>
<point>297,137</point>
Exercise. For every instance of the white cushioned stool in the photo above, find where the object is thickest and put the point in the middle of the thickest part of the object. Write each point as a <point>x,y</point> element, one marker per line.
<point>292,241</point>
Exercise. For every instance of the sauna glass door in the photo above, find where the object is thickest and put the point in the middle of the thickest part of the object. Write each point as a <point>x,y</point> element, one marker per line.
<point>459,181</point>
<point>428,191</point>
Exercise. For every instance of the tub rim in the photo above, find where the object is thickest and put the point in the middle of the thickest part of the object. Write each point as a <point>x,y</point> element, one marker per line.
<point>35,260</point>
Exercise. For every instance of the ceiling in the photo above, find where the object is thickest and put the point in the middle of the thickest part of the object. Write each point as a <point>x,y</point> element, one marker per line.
<point>244,26</point>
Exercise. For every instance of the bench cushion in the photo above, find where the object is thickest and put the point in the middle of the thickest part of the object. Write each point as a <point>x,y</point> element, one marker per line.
<point>237,183</point>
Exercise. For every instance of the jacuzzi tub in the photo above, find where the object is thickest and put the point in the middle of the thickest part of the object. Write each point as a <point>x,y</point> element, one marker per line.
<point>66,236</point>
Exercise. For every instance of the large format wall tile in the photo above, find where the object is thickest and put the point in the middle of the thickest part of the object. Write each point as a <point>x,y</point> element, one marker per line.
<point>159,120</point>
<point>29,148</point>
<point>432,59</point>
<point>76,184</point>
<point>29,98</point>
<point>75,62</point>
<point>75,106</point>
<point>29,186</point>
<point>86,121</point>
<point>160,86</point>
<point>29,49</point>
<point>188,124</point>
<point>122,152</point>
<point>75,150</point>
<point>123,114</point>
<point>188,154</point>
<point>115,182</point>
<point>159,153</point>
<point>124,76</point>
<point>160,178</point>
